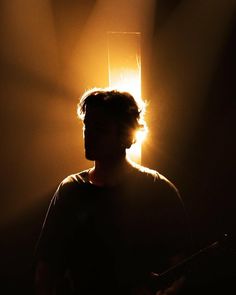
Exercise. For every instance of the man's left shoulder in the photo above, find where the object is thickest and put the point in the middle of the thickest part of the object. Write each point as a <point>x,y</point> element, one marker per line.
<point>157,179</point>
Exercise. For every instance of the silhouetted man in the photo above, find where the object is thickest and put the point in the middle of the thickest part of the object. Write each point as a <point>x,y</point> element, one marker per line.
<point>110,226</point>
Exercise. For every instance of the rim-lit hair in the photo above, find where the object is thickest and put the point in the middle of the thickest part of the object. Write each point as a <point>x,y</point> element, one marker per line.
<point>120,105</point>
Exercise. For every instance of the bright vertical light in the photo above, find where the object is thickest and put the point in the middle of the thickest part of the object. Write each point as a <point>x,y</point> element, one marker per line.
<point>124,63</point>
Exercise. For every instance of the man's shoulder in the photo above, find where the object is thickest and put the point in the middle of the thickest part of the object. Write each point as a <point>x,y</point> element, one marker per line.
<point>153,175</point>
<point>71,184</point>
<point>151,179</point>
<point>75,178</point>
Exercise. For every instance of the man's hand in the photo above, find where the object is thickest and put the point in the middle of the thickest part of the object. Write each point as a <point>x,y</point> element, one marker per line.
<point>174,288</point>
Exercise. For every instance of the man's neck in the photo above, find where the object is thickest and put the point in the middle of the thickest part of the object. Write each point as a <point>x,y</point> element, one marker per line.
<point>109,173</point>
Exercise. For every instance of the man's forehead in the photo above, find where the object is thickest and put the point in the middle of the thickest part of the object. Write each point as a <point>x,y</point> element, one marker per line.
<point>98,114</point>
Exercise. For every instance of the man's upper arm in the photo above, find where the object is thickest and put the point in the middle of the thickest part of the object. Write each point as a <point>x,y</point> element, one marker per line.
<point>176,224</point>
<point>55,231</point>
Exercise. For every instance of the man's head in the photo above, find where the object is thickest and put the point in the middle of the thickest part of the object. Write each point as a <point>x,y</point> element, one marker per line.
<point>111,119</point>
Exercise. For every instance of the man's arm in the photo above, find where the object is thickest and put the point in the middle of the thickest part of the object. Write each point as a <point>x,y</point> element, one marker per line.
<point>44,279</point>
<point>49,252</point>
<point>178,240</point>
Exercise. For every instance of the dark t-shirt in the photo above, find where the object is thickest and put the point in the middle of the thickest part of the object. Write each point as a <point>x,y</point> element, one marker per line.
<point>107,240</point>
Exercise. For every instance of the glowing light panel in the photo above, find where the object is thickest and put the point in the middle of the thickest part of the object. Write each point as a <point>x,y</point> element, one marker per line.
<point>124,66</point>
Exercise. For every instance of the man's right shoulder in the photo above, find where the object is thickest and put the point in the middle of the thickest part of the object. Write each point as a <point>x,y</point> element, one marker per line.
<point>71,185</point>
<point>76,178</point>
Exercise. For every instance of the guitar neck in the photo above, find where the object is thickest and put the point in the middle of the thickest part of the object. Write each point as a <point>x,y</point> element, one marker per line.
<point>181,268</point>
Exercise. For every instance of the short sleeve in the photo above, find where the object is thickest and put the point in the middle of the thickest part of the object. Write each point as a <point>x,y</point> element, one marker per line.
<point>54,234</point>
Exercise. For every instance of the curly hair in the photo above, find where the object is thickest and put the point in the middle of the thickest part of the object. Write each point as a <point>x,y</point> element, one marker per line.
<point>121,105</point>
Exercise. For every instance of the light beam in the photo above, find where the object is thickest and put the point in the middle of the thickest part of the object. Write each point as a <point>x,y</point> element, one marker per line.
<point>124,65</point>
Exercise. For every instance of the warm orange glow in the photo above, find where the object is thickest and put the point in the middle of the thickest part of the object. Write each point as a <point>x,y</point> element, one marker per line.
<point>124,61</point>
<point>126,79</point>
<point>141,136</point>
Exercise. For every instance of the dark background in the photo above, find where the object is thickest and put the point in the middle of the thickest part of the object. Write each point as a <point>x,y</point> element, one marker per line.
<point>188,76</point>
